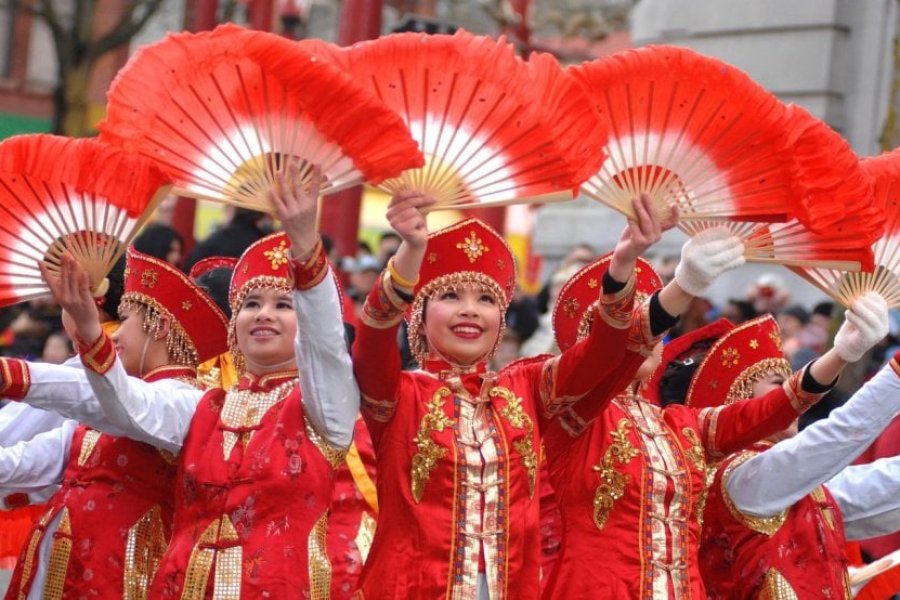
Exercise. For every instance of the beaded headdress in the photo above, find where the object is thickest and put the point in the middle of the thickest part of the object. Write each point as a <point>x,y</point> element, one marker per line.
<point>747,353</point>
<point>574,311</point>
<point>198,326</point>
<point>468,253</point>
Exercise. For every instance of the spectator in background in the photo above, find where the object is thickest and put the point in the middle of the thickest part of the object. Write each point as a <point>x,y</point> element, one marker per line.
<point>801,339</point>
<point>57,349</point>
<point>578,256</point>
<point>387,246</point>
<point>162,242</point>
<point>542,340</point>
<point>363,272</point>
<point>243,228</point>
<point>768,294</point>
<point>738,311</point>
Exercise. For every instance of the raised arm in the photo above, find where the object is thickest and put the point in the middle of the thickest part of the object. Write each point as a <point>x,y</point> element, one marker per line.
<point>30,466</point>
<point>329,391</point>
<point>869,498</point>
<point>795,467</point>
<point>376,356</point>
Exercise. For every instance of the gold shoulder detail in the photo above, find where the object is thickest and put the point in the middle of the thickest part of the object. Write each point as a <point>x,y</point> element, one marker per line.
<point>765,525</point>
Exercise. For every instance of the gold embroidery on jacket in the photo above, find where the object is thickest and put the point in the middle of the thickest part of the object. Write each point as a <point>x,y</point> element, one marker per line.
<point>227,584</point>
<point>765,525</point>
<point>776,587</point>
<point>612,486</point>
<point>58,563</point>
<point>818,495</point>
<point>519,419</point>
<point>319,565</point>
<point>91,437</point>
<point>697,457</point>
<point>144,547</point>
<point>28,563</point>
<point>245,409</point>
<point>333,454</point>
<point>424,461</point>
<point>365,534</point>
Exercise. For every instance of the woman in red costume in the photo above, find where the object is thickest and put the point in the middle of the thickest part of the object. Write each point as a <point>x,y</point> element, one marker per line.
<point>632,483</point>
<point>104,531</point>
<point>457,445</point>
<point>255,463</point>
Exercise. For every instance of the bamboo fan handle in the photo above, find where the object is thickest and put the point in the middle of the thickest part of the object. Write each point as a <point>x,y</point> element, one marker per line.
<point>99,290</point>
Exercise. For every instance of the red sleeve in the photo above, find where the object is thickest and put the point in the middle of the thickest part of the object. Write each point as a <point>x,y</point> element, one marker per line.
<point>15,378</point>
<point>730,428</point>
<point>376,357</point>
<point>600,366</point>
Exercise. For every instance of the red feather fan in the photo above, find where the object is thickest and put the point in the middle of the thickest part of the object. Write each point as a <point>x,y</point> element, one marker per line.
<point>494,129</point>
<point>68,195</point>
<point>846,287</point>
<point>829,182</point>
<point>690,131</point>
<point>221,112</point>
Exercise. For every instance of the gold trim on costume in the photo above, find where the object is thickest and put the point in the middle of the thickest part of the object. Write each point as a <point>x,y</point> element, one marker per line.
<point>58,562</point>
<point>196,574</point>
<point>319,565</point>
<point>765,525</point>
<point>613,483</point>
<point>361,478</point>
<point>519,419</point>
<point>33,542</point>
<point>144,547</point>
<point>776,587</point>
<point>229,564</point>
<point>333,454</point>
<point>425,460</point>
<point>698,458</point>
<point>365,534</point>
<point>88,443</point>
<point>245,409</point>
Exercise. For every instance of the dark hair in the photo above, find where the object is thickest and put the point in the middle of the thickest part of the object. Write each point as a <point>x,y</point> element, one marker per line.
<point>676,379</point>
<point>327,243</point>
<point>744,308</point>
<point>215,283</point>
<point>826,309</point>
<point>156,240</point>
<point>116,277</point>
<point>389,235</point>
<point>246,215</point>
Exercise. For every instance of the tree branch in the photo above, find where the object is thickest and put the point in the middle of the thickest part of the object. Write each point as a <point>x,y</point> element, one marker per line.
<point>125,29</point>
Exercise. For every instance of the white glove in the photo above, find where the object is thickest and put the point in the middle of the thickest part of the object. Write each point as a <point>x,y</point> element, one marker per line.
<point>706,256</point>
<point>866,324</point>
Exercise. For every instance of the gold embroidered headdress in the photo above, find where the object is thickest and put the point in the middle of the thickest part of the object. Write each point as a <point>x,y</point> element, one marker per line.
<point>468,253</point>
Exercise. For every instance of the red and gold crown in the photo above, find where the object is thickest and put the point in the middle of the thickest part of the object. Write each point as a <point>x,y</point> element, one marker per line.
<point>465,253</point>
<point>211,263</point>
<point>679,349</point>
<point>198,330</point>
<point>573,313</point>
<point>745,354</point>
<point>266,263</point>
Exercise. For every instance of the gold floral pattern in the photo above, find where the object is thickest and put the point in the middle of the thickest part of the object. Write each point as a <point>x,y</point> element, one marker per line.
<point>425,460</point>
<point>278,255</point>
<point>731,357</point>
<point>518,418</point>
<point>571,307</point>
<point>697,457</point>
<point>149,277</point>
<point>612,486</point>
<point>473,247</point>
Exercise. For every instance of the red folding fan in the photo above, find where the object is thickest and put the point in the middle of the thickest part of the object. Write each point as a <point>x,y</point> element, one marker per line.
<point>694,132</point>
<point>68,195</point>
<point>494,129</point>
<point>885,277</point>
<point>223,111</point>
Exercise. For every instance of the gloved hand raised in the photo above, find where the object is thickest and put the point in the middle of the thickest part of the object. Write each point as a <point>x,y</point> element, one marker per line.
<point>706,256</point>
<point>866,324</point>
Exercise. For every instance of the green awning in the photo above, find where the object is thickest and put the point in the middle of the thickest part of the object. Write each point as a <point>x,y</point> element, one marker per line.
<point>11,124</point>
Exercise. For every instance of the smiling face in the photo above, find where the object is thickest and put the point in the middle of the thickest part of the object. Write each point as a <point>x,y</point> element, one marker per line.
<point>265,327</point>
<point>462,324</point>
<point>130,339</point>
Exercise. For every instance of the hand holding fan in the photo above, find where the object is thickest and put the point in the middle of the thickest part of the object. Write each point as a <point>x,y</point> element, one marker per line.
<point>494,129</point>
<point>693,132</point>
<point>77,196</point>
<point>846,287</point>
<point>223,111</point>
